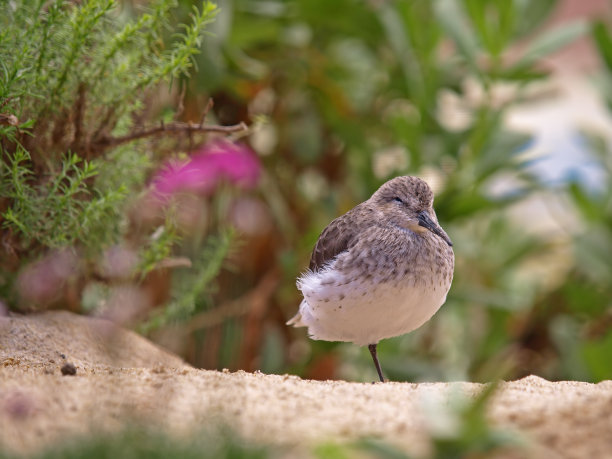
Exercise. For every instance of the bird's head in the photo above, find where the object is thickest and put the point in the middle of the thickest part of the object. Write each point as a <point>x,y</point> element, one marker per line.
<point>407,202</point>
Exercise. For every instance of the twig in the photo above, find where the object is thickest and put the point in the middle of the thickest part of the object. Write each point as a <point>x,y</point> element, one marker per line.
<point>172,128</point>
<point>256,300</point>
<point>107,120</point>
<point>5,101</point>
<point>174,262</point>
<point>181,105</point>
<point>190,135</point>
<point>79,109</point>
<point>209,105</point>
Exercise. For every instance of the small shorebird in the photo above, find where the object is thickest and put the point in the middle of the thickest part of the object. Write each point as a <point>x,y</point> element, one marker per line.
<point>378,271</point>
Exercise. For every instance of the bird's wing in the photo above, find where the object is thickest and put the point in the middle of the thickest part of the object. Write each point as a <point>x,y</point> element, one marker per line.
<point>337,237</point>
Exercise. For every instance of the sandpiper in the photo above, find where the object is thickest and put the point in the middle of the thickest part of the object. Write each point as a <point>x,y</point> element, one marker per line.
<point>378,271</point>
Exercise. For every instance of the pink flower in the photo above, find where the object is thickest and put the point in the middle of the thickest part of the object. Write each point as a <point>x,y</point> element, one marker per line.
<point>202,173</point>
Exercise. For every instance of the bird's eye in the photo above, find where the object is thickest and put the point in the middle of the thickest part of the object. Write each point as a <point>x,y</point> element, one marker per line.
<point>396,199</point>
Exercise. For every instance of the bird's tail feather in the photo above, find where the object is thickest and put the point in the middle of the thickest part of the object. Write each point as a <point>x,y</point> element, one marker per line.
<point>296,320</point>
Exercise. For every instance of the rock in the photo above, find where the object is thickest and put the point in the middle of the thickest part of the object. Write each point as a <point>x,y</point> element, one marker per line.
<point>68,369</point>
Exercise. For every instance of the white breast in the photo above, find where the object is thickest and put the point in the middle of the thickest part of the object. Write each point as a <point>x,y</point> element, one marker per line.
<point>339,307</point>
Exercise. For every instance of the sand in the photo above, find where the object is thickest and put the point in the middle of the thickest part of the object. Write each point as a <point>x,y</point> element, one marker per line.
<point>122,379</point>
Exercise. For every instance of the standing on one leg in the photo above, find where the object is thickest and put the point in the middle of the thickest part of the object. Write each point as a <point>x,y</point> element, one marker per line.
<point>378,271</point>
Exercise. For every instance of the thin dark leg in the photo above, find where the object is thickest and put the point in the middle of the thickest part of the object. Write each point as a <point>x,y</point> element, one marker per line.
<point>372,348</point>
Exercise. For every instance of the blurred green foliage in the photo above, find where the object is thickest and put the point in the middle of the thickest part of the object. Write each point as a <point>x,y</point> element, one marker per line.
<point>147,443</point>
<point>347,94</point>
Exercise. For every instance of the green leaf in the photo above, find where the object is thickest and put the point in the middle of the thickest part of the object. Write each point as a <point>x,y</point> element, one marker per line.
<point>586,205</point>
<point>597,357</point>
<point>603,40</point>
<point>453,21</point>
<point>552,41</point>
<point>532,14</point>
<point>493,21</point>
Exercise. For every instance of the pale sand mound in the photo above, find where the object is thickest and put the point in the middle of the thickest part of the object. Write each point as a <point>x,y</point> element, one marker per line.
<point>128,379</point>
<point>50,339</point>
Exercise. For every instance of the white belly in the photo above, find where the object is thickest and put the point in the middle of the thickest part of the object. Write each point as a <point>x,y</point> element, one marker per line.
<point>342,308</point>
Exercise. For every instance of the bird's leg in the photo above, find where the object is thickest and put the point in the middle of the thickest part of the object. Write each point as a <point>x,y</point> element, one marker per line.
<point>372,348</point>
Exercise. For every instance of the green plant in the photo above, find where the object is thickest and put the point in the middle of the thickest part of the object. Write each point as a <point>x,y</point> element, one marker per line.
<point>191,293</point>
<point>78,88</point>
<point>78,74</point>
<point>139,442</point>
<point>60,212</point>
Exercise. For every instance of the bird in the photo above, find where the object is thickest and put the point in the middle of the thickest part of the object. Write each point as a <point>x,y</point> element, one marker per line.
<point>381,270</point>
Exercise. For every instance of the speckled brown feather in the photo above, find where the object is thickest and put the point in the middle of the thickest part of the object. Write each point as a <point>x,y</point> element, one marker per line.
<point>344,231</point>
<point>337,237</point>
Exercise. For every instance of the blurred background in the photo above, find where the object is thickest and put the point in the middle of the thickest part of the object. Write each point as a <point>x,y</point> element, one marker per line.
<point>503,107</point>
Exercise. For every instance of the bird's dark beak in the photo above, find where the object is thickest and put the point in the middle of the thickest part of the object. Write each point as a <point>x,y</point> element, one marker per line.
<point>426,222</point>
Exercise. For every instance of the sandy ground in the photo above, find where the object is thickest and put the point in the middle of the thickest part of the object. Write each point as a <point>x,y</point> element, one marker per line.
<point>122,378</point>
